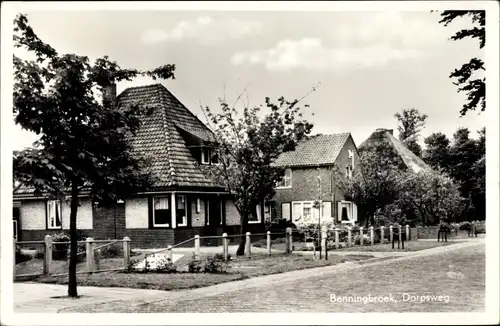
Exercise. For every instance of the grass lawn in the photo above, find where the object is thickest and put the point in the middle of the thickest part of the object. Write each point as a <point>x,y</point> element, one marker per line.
<point>238,269</point>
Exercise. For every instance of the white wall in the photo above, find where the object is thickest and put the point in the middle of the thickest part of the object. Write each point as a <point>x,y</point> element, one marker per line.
<point>32,215</point>
<point>84,217</point>
<point>136,213</point>
<point>232,215</point>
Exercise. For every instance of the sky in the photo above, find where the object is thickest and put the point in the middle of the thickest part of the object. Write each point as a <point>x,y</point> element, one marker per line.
<point>364,66</point>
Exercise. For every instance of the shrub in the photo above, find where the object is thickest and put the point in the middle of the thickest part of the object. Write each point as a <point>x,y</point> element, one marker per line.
<point>60,250</point>
<point>21,256</point>
<point>215,265</point>
<point>111,251</point>
<point>194,265</point>
<point>221,256</point>
<point>464,225</point>
<point>366,239</point>
<point>39,253</point>
<point>165,265</point>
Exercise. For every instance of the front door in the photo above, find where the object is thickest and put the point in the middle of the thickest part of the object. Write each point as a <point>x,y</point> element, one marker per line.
<point>214,214</point>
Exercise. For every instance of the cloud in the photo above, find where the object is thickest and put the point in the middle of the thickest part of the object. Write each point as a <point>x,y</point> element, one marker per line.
<point>312,54</point>
<point>360,39</point>
<point>205,29</point>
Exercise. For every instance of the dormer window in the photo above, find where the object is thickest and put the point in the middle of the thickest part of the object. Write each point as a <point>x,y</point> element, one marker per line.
<point>206,153</point>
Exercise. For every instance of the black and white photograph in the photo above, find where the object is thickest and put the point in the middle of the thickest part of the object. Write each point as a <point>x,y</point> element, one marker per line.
<point>299,162</point>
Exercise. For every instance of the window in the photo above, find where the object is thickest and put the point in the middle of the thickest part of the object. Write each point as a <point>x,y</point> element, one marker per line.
<point>180,207</point>
<point>54,214</point>
<point>161,211</point>
<point>207,211</point>
<point>198,205</point>
<point>15,229</point>
<point>286,182</point>
<point>256,218</point>
<point>206,154</point>
<point>303,211</point>
<point>285,211</point>
<point>348,171</point>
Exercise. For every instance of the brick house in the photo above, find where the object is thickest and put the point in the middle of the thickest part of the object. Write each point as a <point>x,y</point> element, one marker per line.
<point>184,201</point>
<point>309,177</point>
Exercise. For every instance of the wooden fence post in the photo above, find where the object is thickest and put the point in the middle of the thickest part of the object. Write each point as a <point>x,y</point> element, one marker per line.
<point>89,254</point>
<point>324,240</point>
<point>289,240</point>
<point>197,246</point>
<point>268,239</point>
<point>224,246</point>
<point>408,232</point>
<point>382,235</point>
<point>170,253</point>
<point>47,261</point>
<point>361,235</point>
<point>349,238</point>
<point>248,245</point>
<point>336,238</point>
<point>390,233</point>
<point>372,236</point>
<point>126,251</point>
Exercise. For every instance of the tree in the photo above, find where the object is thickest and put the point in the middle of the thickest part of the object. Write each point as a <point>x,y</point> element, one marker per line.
<point>433,194</point>
<point>437,151</point>
<point>248,145</point>
<point>411,122</point>
<point>378,182</point>
<point>83,144</point>
<point>467,80</point>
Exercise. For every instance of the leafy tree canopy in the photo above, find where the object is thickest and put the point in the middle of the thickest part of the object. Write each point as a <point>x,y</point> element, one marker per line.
<point>83,144</point>
<point>466,76</point>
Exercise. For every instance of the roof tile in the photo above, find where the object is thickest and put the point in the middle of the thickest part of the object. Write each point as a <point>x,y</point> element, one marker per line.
<point>317,150</point>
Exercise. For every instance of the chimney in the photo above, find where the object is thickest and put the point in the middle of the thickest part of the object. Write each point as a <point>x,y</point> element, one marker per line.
<point>391,131</point>
<point>109,94</point>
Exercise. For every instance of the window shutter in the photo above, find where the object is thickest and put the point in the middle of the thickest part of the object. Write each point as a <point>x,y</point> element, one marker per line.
<point>296,212</point>
<point>223,205</point>
<point>259,212</point>
<point>285,211</point>
<point>339,211</point>
<point>150,211</point>
<point>327,210</point>
<point>355,212</point>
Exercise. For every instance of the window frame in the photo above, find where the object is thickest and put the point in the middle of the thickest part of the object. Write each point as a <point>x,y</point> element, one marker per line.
<point>309,203</point>
<point>285,179</point>
<point>198,205</point>
<point>161,225</point>
<point>16,225</point>
<point>47,215</point>
<point>259,215</point>
<point>185,218</point>
<point>202,159</point>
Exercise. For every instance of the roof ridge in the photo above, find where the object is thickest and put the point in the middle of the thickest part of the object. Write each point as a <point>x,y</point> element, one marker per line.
<point>186,109</point>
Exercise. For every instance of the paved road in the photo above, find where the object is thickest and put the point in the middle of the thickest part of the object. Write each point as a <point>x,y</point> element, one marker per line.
<point>306,290</point>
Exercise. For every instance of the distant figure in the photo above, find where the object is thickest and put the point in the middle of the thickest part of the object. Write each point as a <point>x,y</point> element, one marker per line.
<point>453,273</point>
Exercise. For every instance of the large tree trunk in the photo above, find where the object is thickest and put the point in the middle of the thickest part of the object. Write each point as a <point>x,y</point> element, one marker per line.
<point>243,231</point>
<point>72,291</point>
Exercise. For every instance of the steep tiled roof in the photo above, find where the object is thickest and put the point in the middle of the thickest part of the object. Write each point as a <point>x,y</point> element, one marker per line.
<point>317,150</point>
<point>159,137</point>
<point>411,160</point>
